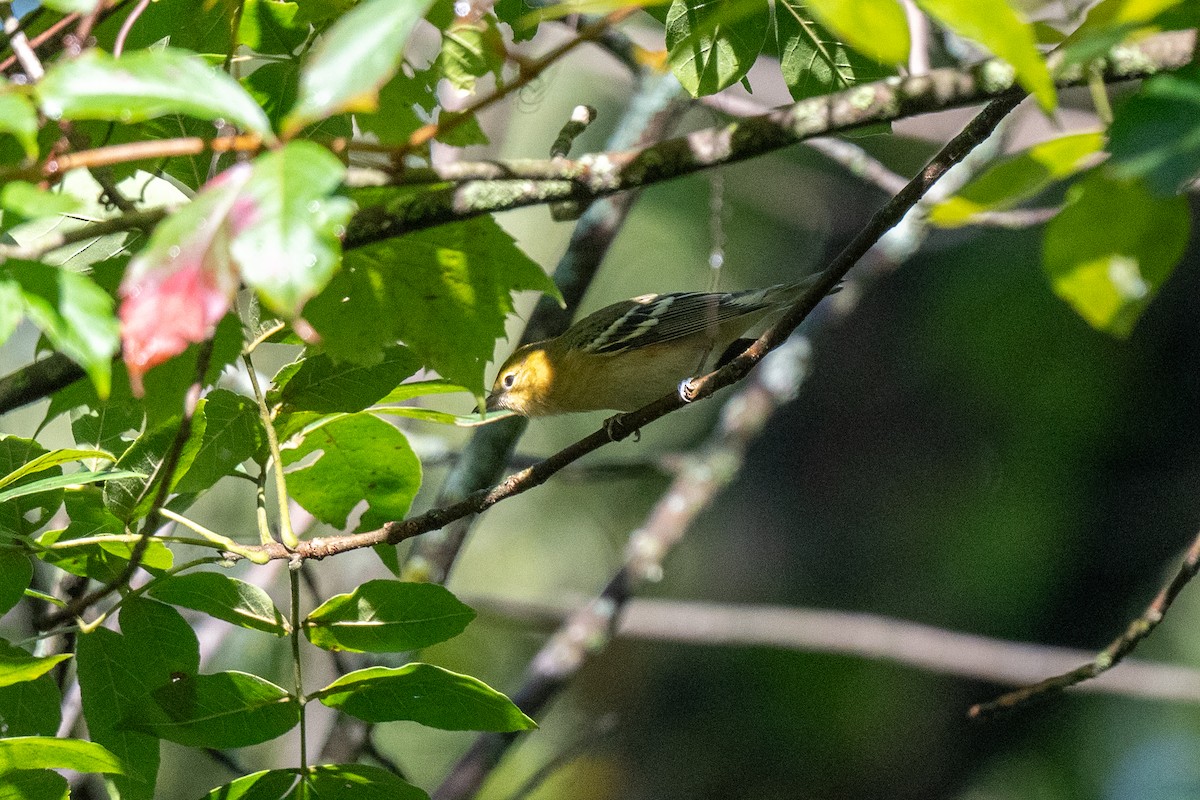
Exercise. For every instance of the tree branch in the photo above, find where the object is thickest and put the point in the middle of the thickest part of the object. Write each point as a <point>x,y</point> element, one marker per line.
<point>868,636</point>
<point>1110,656</point>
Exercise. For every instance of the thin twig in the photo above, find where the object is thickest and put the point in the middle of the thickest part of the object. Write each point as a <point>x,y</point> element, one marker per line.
<point>1110,656</point>
<point>127,26</point>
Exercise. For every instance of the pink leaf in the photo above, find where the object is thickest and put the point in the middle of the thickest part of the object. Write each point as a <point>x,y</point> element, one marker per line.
<point>178,289</point>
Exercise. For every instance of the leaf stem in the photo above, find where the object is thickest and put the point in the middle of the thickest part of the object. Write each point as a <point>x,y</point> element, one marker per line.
<point>286,534</point>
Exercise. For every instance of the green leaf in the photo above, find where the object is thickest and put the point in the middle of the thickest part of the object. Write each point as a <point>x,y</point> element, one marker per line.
<point>812,61</point>
<point>220,596</point>
<point>17,666</point>
<point>34,784</point>
<point>168,383</point>
<point>1156,133</point>
<point>471,50</point>
<point>405,104</point>
<point>22,201</point>
<point>114,680</point>
<point>265,785</point>
<point>287,224</point>
<point>324,781</point>
<point>54,458</point>
<point>233,432</point>
<point>1110,22</point>
<point>150,625</point>
<point>995,25</point>
<point>876,28</point>
<point>30,707</point>
<point>12,309</point>
<point>16,573</point>
<point>321,384</point>
<point>1019,177</point>
<point>712,45</point>
<point>101,560</point>
<point>223,710</point>
<point>18,118</point>
<point>387,617</point>
<point>356,57</point>
<point>111,426</point>
<point>444,292</point>
<point>44,752</point>
<point>358,782</point>
<point>1112,247</point>
<point>269,27</point>
<point>127,499</point>
<point>362,459</point>
<point>425,694</point>
<point>144,84</point>
<point>63,481</point>
<point>25,515</point>
<point>75,314</point>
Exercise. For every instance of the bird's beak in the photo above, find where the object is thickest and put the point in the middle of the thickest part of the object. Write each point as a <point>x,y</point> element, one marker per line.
<point>492,403</point>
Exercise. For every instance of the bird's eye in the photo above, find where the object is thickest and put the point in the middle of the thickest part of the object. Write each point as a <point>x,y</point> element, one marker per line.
<point>509,379</point>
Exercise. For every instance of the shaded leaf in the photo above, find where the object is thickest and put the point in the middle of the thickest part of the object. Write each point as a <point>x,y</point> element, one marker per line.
<point>102,560</point>
<point>220,596</point>
<point>1156,133</point>
<point>25,515</point>
<point>223,710</point>
<point>812,61</point>
<point>18,118</point>
<point>1112,247</point>
<point>359,782</point>
<point>383,616</point>
<point>34,784</point>
<point>361,459</point>
<point>233,432</point>
<point>712,45</point>
<point>318,383</point>
<point>128,499</point>
<point>426,694</point>
<point>16,572</point>
<point>31,707</point>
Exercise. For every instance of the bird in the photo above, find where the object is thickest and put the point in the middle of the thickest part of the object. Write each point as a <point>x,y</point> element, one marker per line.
<point>633,352</point>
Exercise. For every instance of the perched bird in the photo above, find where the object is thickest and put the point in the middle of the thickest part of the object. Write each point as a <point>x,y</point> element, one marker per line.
<point>633,352</point>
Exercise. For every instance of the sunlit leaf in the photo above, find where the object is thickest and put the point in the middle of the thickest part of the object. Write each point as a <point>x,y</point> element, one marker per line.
<point>444,292</point>
<point>354,58</point>
<point>1019,177</point>
<point>1112,247</point>
<point>287,225</point>
<point>876,28</point>
<point>995,25</point>
<point>18,666</point>
<point>44,752</point>
<point>75,314</point>
<point>145,84</point>
<point>361,459</point>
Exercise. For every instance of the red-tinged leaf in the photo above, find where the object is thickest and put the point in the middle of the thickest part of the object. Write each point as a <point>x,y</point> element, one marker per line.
<point>178,289</point>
